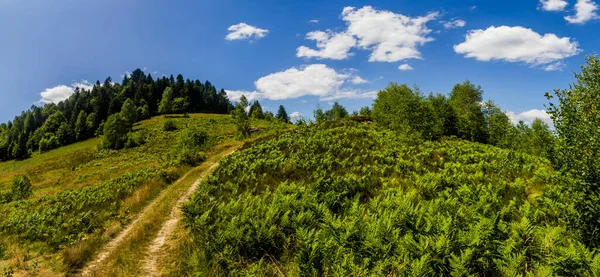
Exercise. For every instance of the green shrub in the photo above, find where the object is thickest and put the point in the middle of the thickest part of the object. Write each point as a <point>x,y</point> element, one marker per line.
<point>135,139</point>
<point>49,143</point>
<point>191,143</point>
<point>169,125</point>
<point>20,187</point>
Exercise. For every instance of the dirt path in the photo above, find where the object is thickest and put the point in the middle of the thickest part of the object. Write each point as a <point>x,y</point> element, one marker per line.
<point>149,264</point>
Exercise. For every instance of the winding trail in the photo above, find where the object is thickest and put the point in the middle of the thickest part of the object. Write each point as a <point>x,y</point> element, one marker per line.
<point>149,264</point>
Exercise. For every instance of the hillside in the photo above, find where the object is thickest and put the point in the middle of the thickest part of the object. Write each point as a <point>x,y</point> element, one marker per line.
<point>353,199</point>
<point>82,197</point>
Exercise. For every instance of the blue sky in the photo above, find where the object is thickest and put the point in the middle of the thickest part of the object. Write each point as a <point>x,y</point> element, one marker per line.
<point>516,50</point>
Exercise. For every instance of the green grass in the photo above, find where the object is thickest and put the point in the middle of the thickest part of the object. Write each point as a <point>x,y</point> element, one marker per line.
<point>82,196</point>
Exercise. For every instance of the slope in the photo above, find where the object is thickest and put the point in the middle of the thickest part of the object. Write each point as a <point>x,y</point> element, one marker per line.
<point>351,199</point>
<point>82,197</point>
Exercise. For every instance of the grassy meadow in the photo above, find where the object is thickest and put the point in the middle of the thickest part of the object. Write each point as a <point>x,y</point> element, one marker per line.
<point>83,196</point>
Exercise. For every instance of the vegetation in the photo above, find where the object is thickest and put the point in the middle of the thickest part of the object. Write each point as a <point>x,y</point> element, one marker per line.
<point>416,185</point>
<point>576,117</point>
<point>352,199</point>
<point>66,203</point>
<point>83,115</point>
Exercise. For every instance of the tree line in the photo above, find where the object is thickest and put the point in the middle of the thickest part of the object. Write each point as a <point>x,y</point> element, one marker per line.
<point>461,114</point>
<point>84,114</point>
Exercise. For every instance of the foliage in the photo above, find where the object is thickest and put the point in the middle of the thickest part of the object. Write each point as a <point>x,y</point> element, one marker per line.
<point>576,116</point>
<point>349,199</point>
<point>20,188</point>
<point>129,112</point>
<point>402,109</point>
<point>241,118</point>
<point>169,125</point>
<point>282,115</point>
<point>337,112</point>
<point>115,132</point>
<point>191,146</point>
<point>81,115</point>
<point>256,111</point>
<point>465,100</point>
<point>166,103</point>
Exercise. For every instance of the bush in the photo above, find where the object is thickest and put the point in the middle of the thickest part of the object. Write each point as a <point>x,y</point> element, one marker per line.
<point>49,143</point>
<point>192,143</point>
<point>169,126</point>
<point>135,139</point>
<point>115,132</point>
<point>20,188</point>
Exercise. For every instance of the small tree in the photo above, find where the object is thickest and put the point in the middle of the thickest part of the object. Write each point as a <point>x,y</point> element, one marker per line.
<point>365,111</point>
<point>129,112</point>
<point>319,114</point>
<point>256,111</point>
<point>242,121</point>
<point>166,103</point>
<point>282,115</point>
<point>465,100</point>
<point>337,112</point>
<point>115,132</point>
<point>81,126</point>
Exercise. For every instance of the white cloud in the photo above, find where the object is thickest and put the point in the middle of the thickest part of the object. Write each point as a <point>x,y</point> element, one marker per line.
<point>245,31</point>
<point>553,5</point>
<point>405,67</point>
<point>585,10</point>
<point>458,23</point>
<point>529,116</point>
<point>517,44</point>
<point>295,114</point>
<point>389,36</point>
<point>235,95</point>
<point>554,66</point>
<point>312,80</point>
<point>335,46</point>
<point>357,80</point>
<point>62,92</point>
<point>313,21</point>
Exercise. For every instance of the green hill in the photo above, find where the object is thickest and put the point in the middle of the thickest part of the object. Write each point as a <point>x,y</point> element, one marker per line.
<point>81,196</point>
<point>352,199</point>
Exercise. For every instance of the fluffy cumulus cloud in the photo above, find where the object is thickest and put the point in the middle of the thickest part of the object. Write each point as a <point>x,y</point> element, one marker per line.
<point>245,31</point>
<point>330,45</point>
<point>312,80</point>
<point>405,67</point>
<point>529,116</point>
<point>458,23</point>
<point>62,92</point>
<point>517,44</point>
<point>553,5</point>
<point>585,10</point>
<point>390,37</point>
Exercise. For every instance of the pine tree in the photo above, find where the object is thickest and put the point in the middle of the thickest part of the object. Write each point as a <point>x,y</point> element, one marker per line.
<point>282,115</point>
